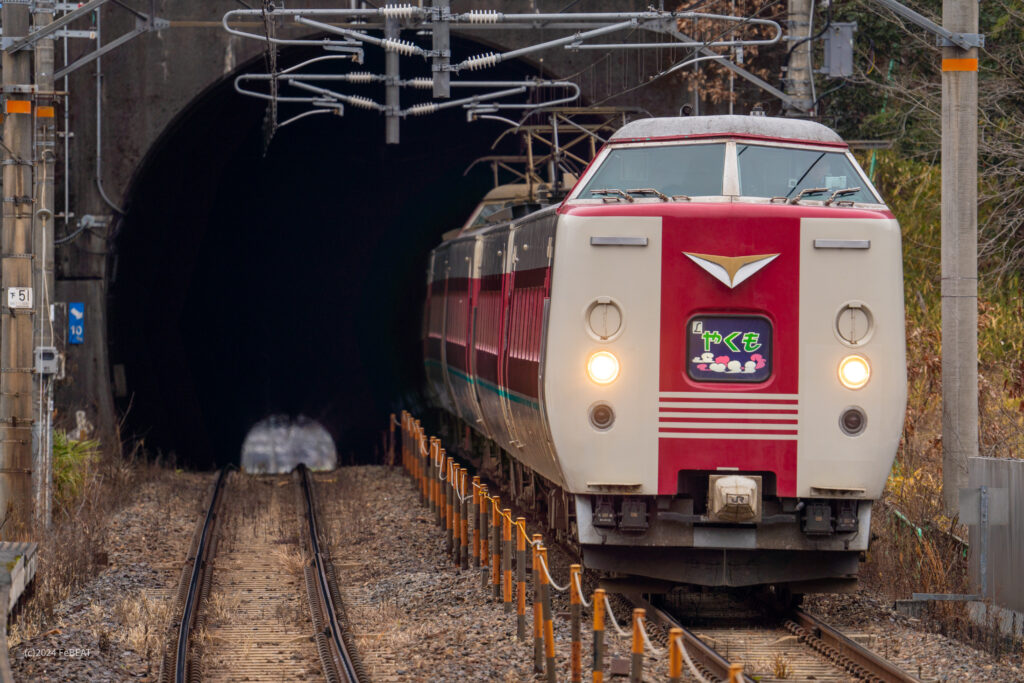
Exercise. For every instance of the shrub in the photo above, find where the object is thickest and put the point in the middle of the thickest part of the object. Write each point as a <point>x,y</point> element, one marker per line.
<point>74,464</point>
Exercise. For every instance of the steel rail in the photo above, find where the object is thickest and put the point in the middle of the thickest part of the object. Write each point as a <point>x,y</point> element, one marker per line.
<point>341,654</point>
<point>700,652</point>
<point>198,567</point>
<point>870,663</point>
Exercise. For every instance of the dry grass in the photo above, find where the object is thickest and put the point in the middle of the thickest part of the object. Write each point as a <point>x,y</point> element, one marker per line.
<point>917,547</point>
<point>780,667</point>
<point>141,620</point>
<point>222,607</point>
<point>70,552</point>
<point>291,561</point>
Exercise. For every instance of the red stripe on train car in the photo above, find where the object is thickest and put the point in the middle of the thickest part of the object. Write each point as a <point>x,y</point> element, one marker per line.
<point>748,455</point>
<point>778,401</point>
<point>712,411</point>
<point>730,420</point>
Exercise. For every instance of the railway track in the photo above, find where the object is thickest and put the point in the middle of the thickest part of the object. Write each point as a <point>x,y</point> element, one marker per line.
<point>797,645</point>
<point>257,600</point>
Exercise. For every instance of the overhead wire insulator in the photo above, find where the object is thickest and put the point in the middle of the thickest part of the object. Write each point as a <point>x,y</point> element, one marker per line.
<point>421,83</point>
<point>402,47</point>
<point>360,77</point>
<point>361,102</point>
<point>482,16</point>
<point>405,11</point>
<point>481,61</point>
<point>422,109</point>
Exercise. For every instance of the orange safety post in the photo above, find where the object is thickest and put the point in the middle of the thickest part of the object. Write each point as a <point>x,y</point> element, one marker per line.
<point>449,512</point>
<point>735,673</point>
<point>496,546</point>
<point>456,515</point>
<point>598,664</point>
<point>423,465</point>
<point>538,610</point>
<point>636,665</point>
<point>675,655</point>
<point>414,437</point>
<point>464,517</point>
<point>417,443</point>
<point>434,446</point>
<point>549,627</point>
<point>521,578</point>
<point>414,458</point>
<point>435,477</point>
<point>405,439</point>
<point>575,615</point>
<point>450,502</point>
<point>417,473</point>
<point>408,440</point>
<point>460,473</point>
<point>391,440</point>
<point>506,560</point>
<point>485,530</point>
<point>421,459</point>
<point>474,515</point>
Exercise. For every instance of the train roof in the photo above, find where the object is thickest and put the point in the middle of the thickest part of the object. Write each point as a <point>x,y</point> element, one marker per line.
<point>760,126</point>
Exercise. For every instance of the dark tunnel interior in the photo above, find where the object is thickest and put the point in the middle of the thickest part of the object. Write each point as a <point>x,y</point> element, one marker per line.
<point>247,285</point>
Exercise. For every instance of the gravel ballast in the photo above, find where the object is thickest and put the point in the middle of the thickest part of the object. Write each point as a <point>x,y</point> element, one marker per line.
<point>415,617</point>
<point>113,629</point>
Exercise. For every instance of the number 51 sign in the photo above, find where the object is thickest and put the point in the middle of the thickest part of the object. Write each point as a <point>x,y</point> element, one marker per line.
<point>19,297</point>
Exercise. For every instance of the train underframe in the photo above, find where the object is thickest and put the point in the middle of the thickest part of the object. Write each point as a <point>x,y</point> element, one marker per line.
<point>658,543</point>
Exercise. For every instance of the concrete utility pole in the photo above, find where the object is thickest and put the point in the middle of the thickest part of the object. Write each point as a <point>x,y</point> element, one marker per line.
<point>16,279</point>
<point>392,29</point>
<point>798,74</point>
<point>42,246</point>
<point>442,44</point>
<point>959,251</point>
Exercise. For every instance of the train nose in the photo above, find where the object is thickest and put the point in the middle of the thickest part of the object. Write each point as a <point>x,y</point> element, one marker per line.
<point>734,498</point>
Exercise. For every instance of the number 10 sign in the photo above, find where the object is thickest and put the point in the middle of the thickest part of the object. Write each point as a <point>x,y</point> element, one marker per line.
<point>76,323</point>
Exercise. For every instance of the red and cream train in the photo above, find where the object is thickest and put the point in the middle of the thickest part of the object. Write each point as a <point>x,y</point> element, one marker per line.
<point>695,363</point>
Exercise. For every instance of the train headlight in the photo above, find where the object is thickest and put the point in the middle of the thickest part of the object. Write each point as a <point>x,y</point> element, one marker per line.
<point>603,367</point>
<point>854,372</point>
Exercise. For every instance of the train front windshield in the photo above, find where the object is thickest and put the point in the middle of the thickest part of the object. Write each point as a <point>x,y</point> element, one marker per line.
<point>691,170</point>
<point>786,171</point>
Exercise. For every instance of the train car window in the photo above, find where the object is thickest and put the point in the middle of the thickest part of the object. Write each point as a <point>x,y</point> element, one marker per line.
<point>785,171</point>
<point>488,210</point>
<point>692,170</point>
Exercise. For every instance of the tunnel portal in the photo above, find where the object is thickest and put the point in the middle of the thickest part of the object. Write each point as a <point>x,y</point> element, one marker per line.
<point>246,285</point>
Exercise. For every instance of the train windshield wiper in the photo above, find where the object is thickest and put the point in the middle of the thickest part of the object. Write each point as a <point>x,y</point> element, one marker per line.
<point>613,193</point>
<point>807,191</point>
<point>841,193</point>
<point>650,190</point>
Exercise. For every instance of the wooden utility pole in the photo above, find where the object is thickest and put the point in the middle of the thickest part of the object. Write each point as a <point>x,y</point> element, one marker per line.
<point>16,272</point>
<point>42,247</point>
<point>798,70</point>
<point>959,251</point>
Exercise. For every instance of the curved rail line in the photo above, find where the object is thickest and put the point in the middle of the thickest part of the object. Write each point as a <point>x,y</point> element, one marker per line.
<point>323,598</point>
<point>337,662</point>
<point>846,653</point>
<point>710,663</point>
<point>198,577</point>
<point>840,651</point>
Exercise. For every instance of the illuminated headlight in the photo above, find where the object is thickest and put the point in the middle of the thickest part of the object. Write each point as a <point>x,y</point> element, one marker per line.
<point>854,372</point>
<point>603,367</point>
